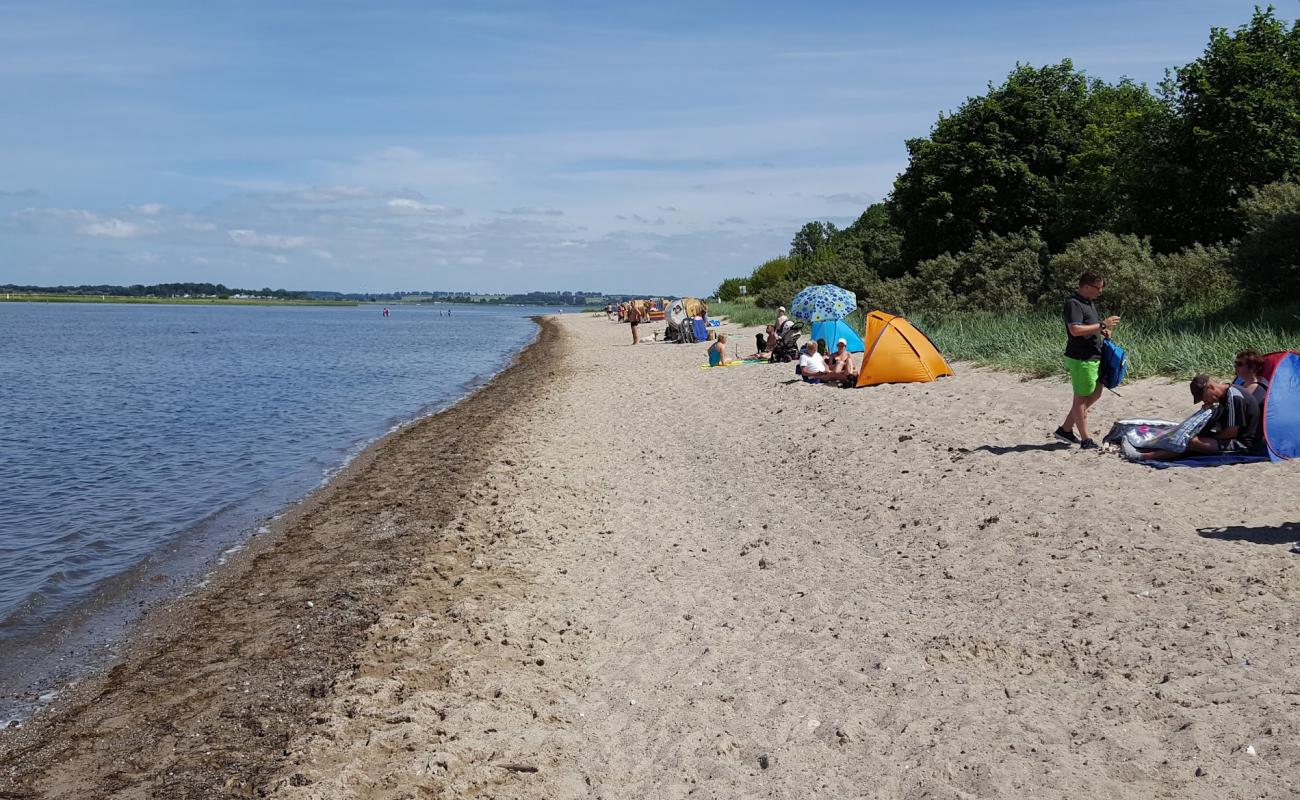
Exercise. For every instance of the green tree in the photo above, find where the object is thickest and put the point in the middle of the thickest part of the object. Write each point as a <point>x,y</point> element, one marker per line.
<point>771,272</point>
<point>994,166</point>
<point>812,237</point>
<point>871,242</point>
<point>1110,174</point>
<point>729,289</point>
<point>1240,122</point>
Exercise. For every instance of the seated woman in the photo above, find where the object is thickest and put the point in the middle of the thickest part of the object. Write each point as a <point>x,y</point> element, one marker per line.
<point>842,359</point>
<point>1233,430</point>
<point>1249,366</point>
<point>718,350</point>
<point>766,342</point>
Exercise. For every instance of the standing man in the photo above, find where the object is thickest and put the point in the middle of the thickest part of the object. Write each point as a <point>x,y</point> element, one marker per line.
<point>634,319</point>
<point>1085,330</point>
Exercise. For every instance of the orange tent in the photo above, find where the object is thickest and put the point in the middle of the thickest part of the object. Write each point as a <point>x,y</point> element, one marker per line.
<point>896,352</point>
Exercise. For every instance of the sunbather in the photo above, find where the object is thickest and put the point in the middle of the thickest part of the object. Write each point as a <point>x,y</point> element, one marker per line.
<point>1233,430</point>
<point>842,359</point>
<point>718,350</point>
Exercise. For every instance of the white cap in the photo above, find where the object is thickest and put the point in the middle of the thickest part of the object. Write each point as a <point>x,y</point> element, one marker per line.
<point>780,308</point>
<point>844,342</point>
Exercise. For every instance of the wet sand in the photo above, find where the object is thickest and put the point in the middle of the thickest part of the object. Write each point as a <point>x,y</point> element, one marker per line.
<point>613,574</point>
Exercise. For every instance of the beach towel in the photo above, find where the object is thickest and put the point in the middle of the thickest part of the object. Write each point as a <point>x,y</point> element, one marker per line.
<point>741,362</point>
<point>1159,434</point>
<point>1205,461</point>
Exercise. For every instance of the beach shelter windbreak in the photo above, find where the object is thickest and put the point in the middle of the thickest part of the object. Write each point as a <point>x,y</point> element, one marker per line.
<point>832,331</point>
<point>898,353</point>
<point>1282,409</point>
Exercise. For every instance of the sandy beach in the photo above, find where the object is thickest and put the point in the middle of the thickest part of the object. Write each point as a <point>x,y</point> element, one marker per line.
<point>612,574</point>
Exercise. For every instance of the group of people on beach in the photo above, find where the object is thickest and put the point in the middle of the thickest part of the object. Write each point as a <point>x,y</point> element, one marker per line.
<point>1235,428</point>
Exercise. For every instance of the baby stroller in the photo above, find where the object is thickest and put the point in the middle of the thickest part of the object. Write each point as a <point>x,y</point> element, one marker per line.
<point>787,343</point>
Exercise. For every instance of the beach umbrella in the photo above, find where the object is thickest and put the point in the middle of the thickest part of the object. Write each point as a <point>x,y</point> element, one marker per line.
<point>823,303</point>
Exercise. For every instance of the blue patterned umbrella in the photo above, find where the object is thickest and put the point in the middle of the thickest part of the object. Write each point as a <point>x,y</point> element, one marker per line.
<point>823,303</point>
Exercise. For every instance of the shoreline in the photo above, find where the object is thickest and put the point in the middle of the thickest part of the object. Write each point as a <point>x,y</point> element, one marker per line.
<point>92,632</point>
<point>318,624</point>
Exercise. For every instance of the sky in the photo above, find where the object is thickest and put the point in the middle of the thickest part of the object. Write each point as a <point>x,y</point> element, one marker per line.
<point>490,146</point>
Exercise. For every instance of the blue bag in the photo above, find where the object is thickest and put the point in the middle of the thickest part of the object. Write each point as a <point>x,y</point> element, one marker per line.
<point>1114,364</point>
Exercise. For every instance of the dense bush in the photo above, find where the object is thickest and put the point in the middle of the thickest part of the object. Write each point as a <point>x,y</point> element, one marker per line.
<point>1133,284</point>
<point>1199,278</point>
<point>1268,258</point>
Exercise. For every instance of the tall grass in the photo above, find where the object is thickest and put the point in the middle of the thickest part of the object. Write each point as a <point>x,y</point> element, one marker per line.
<point>1173,345</point>
<point>743,312</point>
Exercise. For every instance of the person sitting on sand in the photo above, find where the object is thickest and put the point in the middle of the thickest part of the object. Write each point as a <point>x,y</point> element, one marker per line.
<point>781,318</point>
<point>1233,430</point>
<point>814,369</point>
<point>842,359</point>
<point>718,350</point>
<point>766,342</point>
<point>1249,366</point>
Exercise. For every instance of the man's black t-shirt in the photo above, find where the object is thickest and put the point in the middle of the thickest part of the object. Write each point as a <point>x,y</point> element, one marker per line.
<point>1238,410</point>
<point>1079,310</point>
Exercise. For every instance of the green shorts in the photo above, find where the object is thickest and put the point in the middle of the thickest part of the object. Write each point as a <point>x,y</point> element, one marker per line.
<point>1083,375</point>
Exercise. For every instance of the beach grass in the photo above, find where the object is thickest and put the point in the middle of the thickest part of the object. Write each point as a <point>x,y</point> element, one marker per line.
<point>742,312</point>
<point>197,301</point>
<point>1170,345</point>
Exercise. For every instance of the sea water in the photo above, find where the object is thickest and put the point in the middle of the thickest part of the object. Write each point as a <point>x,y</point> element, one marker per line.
<point>139,444</point>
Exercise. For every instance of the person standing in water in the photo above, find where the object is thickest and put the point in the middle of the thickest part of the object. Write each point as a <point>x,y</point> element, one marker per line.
<point>1085,330</point>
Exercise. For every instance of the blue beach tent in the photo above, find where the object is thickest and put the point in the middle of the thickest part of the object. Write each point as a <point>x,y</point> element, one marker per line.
<point>1282,410</point>
<point>831,331</point>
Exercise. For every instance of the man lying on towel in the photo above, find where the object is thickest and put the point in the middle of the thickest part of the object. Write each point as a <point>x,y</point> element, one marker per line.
<point>1233,430</point>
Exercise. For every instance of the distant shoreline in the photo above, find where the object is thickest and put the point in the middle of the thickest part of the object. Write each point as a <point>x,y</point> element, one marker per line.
<point>109,299</point>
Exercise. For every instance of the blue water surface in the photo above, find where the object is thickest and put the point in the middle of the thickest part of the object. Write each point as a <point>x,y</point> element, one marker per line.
<point>122,427</point>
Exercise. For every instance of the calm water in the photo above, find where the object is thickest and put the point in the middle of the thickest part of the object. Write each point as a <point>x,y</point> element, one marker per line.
<point>126,429</point>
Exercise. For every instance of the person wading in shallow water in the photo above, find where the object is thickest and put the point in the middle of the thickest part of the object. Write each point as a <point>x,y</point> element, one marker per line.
<point>1084,330</point>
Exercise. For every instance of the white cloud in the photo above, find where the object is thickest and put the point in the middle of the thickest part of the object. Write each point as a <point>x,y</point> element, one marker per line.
<point>151,209</point>
<point>113,229</point>
<point>405,205</point>
<point>267,241</point>
<point>533,211</point>
<point>855,198</point>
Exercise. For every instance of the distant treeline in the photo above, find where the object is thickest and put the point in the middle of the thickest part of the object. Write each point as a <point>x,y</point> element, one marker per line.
<point>1185,197</point>
<point>530,298</point>
<point>218,290</point>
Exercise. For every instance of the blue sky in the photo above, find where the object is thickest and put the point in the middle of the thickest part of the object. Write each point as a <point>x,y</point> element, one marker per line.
<point>489,146</point>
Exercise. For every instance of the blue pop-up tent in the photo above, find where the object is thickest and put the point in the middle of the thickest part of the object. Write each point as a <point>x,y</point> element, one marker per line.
<point>833,330</point>
<point>1282,410</point>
